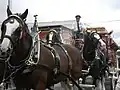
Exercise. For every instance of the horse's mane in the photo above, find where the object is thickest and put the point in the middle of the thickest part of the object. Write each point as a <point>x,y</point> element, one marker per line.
<point>26,26</point>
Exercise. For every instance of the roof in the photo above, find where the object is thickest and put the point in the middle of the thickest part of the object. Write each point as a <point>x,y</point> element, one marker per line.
<point>99,30</point>
<point>53,27</point>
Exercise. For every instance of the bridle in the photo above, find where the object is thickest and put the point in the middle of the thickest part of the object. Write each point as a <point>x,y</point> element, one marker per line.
<point>20,27</point>
<point>17,39</point>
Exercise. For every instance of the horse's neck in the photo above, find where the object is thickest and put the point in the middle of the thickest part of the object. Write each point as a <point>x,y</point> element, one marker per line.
<point>26,43</point>
<point>87,43</point>
<point>88,49</point>
<point>22,49</point>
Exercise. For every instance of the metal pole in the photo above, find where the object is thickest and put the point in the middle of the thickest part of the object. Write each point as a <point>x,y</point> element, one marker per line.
<point>36,23</point>
<point>38,39</point>
<point>10,4</point>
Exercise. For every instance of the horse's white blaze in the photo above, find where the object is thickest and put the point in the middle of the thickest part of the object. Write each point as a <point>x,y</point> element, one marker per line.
<point>10,28</point>
<point>96,36</point>
<point>50,37</point>
<point>102,42</point>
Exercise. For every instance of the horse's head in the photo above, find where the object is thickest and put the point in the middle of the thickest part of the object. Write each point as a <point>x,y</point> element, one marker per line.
<point>12,30</point>
<point>95,37</point>
<point>53,37</point>
<point>91,41</point>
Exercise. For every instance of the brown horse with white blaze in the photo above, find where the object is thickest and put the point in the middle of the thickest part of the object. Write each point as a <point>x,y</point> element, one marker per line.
<point>16,47</point>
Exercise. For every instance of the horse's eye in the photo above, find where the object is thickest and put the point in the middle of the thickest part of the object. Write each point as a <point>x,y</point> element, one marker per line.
<point>11,21</point>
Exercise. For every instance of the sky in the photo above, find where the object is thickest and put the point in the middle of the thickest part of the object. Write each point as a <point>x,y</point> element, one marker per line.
<point>93,12</point>
<point>51,10</point>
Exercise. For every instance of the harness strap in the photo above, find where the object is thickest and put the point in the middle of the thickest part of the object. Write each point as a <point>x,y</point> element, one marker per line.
<point>56,58</point>
<point>69,58</point>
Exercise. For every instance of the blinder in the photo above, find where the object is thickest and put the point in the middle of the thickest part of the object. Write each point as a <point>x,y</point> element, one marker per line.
<point>3,29</point>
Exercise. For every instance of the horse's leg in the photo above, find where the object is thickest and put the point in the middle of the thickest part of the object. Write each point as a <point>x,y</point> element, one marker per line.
<point>74,86</point>
<point>103,83</point>
<point>100,84</point>
<point>66,85</point>
<point>63,85</point>
<point>41,85</point>
<point>84,77</point>
<point>51,88</point>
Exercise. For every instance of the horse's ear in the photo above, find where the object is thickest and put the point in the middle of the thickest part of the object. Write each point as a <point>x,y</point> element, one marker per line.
<point>9,11</point>
<point>24,15</point>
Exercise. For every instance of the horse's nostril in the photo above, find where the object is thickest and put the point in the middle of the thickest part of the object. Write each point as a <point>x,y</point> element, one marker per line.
<point>3,53</point>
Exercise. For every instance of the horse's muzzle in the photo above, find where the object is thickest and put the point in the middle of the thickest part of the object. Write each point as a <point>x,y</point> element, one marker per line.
<point>5,51</point>
<point>3,54</point>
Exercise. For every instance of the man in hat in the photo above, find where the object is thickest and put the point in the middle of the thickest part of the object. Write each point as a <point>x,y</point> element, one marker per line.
<point>77,27</point>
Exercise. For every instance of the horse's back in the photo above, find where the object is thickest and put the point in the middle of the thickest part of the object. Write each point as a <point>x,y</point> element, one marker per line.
<point>63,58</point>
<point>48,59</point>
<point>74,56</point>
<point>77,60</point>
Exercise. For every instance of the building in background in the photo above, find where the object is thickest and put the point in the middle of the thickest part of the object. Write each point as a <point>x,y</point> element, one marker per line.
<point>68,23</point>
<point>64,32</point>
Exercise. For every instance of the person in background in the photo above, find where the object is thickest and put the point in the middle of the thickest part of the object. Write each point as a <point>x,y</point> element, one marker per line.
<point>77,27</point>
<point>78,36</point>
